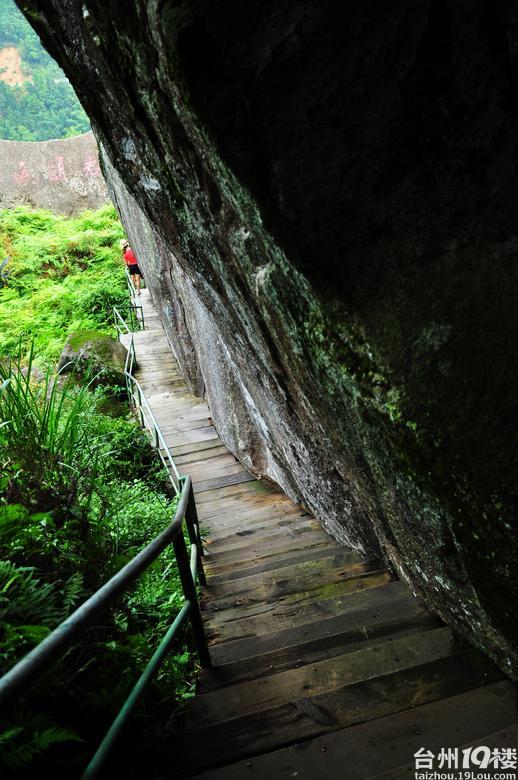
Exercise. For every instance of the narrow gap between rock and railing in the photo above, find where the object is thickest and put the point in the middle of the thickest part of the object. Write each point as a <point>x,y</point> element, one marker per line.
<point>36,663</point>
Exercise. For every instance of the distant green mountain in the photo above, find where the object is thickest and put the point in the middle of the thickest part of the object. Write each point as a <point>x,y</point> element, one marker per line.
<point>44,106</point>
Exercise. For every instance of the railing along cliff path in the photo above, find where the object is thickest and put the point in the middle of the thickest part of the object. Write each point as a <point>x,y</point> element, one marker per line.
<point>29,669</point>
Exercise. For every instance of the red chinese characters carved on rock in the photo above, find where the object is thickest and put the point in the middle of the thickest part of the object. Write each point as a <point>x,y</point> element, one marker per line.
<point>22,174</point>
<point>56,169</point>
<point>91,167</point>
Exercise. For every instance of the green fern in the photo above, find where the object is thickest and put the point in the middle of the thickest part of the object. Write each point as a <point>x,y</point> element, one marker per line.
<point>20,745</point>
<point>72,592</point>
<point>24,599</point>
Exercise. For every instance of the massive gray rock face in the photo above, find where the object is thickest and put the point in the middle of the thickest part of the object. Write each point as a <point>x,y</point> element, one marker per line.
<point>61,175</point>
<point>322,197</point>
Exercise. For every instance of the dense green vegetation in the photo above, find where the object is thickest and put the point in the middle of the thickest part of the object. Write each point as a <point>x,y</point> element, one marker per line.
<point>45,107</point>
<point>81,492</point>
<point>64,276</point>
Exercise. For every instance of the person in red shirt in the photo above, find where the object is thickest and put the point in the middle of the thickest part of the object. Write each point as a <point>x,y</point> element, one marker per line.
<point>131,264</point>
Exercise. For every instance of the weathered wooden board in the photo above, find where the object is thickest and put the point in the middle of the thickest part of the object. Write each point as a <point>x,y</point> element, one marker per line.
<point>344,630</point>
<point>190,448</point>
<point>218,482</point>
<point>382,658</point>
<point>219,468</point>
<point>236,508</point>
<point>236,622</point>
<point>176,438</point>
<point>311,652</point>
<point>249,527</point>
<point>276,586</point>
<point>204,456</point>
<point>309,716</point>
<point>386,743</point>
<point>229,572</point>
<point>264,541</point>
<point>254,488</point>
<point>257,553</point>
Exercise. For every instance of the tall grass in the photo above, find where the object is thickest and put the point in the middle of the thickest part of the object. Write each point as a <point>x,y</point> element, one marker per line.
<point>44,432</point>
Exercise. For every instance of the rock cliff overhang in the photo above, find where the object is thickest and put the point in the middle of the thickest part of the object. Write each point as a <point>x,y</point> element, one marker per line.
<point>323,198</point>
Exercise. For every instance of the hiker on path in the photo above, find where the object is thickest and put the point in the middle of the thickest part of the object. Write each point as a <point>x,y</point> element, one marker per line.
<point>131,264</point>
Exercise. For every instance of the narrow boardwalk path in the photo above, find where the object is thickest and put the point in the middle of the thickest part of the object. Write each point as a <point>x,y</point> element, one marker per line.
<point>323,665</point>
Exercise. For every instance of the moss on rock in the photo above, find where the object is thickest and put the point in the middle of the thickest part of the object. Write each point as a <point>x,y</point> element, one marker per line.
<point>95,356</point>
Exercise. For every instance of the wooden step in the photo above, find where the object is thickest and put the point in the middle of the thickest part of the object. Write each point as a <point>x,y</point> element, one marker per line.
<point>187,425</point>
<point>278,585</point>
<point>203,456</point>
<point>217,482</point>
<point>253,496</point>
<point>246,508</point>
<point>257,553</point>
<point>267,618</point>
<point>310,716</point>
<point>210,471</point>
<point>487,715</point>
<point>250,530</point>
<point>229,572</point>
<point>279,650</point>
<point>177,438</point>
<point>382,658</point>
<point>171,417</point>
<point>311,652</point>
<point>266,541</point>
<point>256,525</point>
<point>255,487</point>
<point>236,622</point>
<point>191,448</point>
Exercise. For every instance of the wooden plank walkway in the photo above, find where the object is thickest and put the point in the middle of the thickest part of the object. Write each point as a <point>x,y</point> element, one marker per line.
<point>323,665</point>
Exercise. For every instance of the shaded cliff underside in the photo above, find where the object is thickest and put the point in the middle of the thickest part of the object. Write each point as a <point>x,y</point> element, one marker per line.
<point>323,204</point>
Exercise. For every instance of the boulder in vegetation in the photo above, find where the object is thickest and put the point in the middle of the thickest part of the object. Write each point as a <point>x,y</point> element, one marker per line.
<point>98,356</point>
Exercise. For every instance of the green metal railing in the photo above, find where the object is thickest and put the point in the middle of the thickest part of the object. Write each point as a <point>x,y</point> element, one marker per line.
<point>134,315</point>
<point>134,298</point>
<point>139,402</point>
<point>190,568</point>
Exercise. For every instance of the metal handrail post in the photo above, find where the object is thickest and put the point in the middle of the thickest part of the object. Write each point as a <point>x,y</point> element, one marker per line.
<point>189,589</point>
<point>193,527</point>
<point>141,413</point>
<point>97,762</point>
<point>195,543</point>
<point>194,514</point>
<point>201,570</point>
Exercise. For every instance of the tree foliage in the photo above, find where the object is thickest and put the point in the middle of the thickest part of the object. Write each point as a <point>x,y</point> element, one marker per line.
<point>45,107</point>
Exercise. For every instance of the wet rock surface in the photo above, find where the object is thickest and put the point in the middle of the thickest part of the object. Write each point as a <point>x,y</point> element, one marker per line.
<point>322,199</point>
